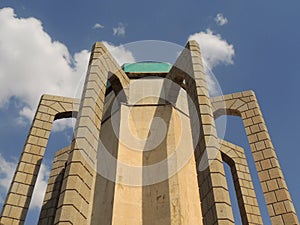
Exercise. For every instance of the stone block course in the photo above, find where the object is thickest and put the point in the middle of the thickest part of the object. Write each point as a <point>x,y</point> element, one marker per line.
<point>263,152</point>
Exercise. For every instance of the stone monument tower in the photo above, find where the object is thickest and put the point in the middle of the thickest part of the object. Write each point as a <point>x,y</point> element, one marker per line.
<point>145,151</point>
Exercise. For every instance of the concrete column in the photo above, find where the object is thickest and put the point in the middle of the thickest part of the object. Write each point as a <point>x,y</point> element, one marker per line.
<point>75,202</point>
<point>50,202</point>
<point>188,72</point>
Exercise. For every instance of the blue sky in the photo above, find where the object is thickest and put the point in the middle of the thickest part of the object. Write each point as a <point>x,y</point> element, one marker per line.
<point>254,45</point>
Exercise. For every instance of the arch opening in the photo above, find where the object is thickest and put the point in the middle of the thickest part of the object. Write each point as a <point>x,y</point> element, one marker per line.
<point>234,135</point>
<point>229,170</point>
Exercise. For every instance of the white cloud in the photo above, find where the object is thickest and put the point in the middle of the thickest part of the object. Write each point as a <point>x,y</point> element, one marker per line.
<point>32,64</point>
<point>220,19</point>
<point>40,187</point>
<point>214,49</point>
<point>62,124</point>
<point>120,53</point>
<point>7,169</point>
<point>119,30</point>
<point>98,26</point>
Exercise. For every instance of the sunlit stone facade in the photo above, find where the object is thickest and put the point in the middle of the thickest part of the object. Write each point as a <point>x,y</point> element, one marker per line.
<point>145,151</point>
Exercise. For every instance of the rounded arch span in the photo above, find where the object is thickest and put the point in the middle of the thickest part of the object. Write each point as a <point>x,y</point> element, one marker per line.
<point>226,111</point>
<point>49,109</point>
<point>245,105</point>
<point>65,115</point>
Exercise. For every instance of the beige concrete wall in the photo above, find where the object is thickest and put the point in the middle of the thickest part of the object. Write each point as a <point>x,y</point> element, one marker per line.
<point>104,194</point>
<point>159,195</point>
<point>169,201</point>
